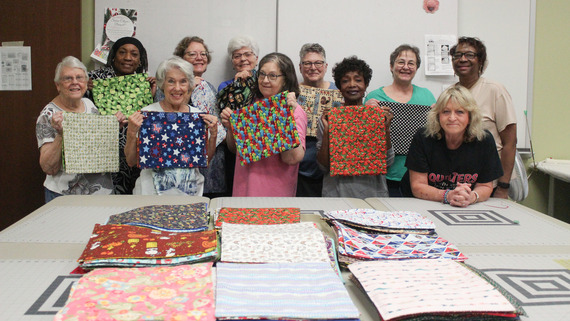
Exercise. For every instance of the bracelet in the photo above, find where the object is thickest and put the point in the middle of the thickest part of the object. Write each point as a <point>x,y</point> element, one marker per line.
<point>476,197</point>
<point>445,201</point>
<point>503,185</point>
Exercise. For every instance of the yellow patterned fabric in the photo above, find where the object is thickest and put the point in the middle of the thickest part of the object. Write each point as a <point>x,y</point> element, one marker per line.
<point>90,143</point>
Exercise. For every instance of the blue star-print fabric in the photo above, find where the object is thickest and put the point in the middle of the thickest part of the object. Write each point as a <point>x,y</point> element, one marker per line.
<point>172,140</point>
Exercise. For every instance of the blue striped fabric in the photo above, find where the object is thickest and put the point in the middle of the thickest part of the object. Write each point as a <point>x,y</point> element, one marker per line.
<point>281,290</point>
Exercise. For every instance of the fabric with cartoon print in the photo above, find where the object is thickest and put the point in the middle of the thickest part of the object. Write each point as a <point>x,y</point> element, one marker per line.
<point>258,216</point>
<point>281,291</point>
<point>357,144</point>
<point>315,101</point>
<point>172,140</point>
<point>367,246</point>
<point>297,242</point>
<point>175,218</point>
<point>264,129</point>
<point>126,241</point>
<point>90,143</point>
<point>184,292</point>
<point>238,94</point>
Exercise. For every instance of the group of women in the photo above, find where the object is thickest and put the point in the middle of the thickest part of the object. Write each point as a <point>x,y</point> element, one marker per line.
<point>453,159</point>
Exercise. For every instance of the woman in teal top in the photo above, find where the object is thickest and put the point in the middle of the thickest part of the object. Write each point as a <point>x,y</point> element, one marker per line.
<point>404,63</point>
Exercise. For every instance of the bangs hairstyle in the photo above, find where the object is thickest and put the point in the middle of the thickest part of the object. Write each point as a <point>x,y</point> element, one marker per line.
<point>462,97</point>
<point>185,42</point>
<point>479,47</point>
<point>236,43</point>
<point>312,47</point>
<point>70,62</point>
<point>174,62</point>
<point>349,64</point>
<point>405,47</point>
<point>287,70</point>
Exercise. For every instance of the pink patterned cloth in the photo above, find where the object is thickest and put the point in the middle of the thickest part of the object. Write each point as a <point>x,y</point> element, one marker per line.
<point>182,292</point>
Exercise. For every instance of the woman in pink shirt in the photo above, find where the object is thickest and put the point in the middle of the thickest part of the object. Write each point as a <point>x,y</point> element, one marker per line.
<point>275,175</point>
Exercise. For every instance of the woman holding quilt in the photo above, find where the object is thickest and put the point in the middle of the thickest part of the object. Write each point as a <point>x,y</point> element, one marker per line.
<point>352,76</point>
<point>275,175</point>
<point>175,78</point>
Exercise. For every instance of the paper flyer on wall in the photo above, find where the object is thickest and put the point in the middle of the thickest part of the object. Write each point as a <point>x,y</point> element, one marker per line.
<point>117,23</point>
<point>15,68</point>
<point>438,60</point>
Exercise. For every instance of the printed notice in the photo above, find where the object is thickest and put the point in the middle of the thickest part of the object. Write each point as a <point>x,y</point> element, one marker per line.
<point>438,60</point>
<point>16,68</point>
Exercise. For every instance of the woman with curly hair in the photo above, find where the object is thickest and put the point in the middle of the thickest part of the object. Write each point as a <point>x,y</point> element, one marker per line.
<point>352,76</point>
<point>453,159</point>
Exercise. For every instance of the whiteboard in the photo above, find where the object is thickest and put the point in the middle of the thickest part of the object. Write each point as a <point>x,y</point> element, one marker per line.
<point>370,29</point>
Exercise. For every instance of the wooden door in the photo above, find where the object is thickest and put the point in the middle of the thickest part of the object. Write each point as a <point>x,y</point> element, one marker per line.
<point>52,28</point>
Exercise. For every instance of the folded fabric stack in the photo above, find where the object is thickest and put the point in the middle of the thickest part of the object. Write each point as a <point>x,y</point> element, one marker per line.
<point>174,218</point>
<point>135,246</point>
<point>281,291</point>
<point>182,292</point>
<point>257,216</point>
<point>387,222</point>
<point>431,290</point>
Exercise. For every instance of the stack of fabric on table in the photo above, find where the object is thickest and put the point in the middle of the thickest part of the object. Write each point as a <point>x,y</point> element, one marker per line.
<point>151,236</point>
<point>432,290</point>
<point>376,235</point>
<point>277,269</point>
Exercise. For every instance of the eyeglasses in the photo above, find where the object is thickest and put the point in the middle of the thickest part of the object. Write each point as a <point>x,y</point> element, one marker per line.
<point>402,63</point>
<point>272,77</point>
<point>69,79</point>
<point>317,64</point>
<point>194,54</point>
<point>469,55</point>
<point>247,55</point>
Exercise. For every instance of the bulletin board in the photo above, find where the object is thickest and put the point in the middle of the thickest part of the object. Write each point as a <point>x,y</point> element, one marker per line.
<point>370,29</point>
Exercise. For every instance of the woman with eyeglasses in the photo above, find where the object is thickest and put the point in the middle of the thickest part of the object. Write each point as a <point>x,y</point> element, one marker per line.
<point>243,52</point>
<point>469,58</point>
<point>404,63</point>
<point>195,51</point>
<point>126,57</point>
<point>276,175</point>
<point>352,76</point>
<point>71,83</point>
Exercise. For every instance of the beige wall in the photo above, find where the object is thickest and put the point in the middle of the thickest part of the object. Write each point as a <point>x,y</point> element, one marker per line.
<point>551,104</point>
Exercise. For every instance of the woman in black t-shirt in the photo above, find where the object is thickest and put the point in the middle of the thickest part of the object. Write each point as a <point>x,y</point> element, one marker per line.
<point>452,159</point>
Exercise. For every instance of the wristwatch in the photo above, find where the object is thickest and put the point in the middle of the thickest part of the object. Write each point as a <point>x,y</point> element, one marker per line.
<point>503,185</point>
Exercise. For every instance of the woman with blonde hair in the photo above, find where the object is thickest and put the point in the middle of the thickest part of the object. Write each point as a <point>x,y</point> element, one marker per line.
<point>453,159</point>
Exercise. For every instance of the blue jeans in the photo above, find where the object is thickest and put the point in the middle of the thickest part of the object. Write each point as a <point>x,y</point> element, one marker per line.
<point>50,195</point>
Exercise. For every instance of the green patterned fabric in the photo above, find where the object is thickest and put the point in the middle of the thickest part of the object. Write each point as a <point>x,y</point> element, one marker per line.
<point>126,94</point>
<point>90,143</point>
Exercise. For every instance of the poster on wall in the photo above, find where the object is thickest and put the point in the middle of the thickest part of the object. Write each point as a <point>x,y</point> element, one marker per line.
<point>117,23</point>
<point>15,68</point>
<point>438,60</point>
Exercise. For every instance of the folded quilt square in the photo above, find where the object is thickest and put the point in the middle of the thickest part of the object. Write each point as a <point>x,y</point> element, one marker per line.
<point>315,101</point>
<point>176,218</point>
<point>281,291</point>
<point>357,144</point>
<point>381,221</point>
<point>183,292</point>
<point>408,118</point>
<point>172,140</point>
<point>90,143</point>
<point>127,94</point>
<point>429,288</point>
<point>264,129</point>
<point>258,216</point>
<point>297,242</point>
<point>238,94</point>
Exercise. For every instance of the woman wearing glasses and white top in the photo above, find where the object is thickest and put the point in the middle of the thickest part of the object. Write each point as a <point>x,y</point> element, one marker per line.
<point>243,52</point>
<point>71,83</point>
<point>275,175</point>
